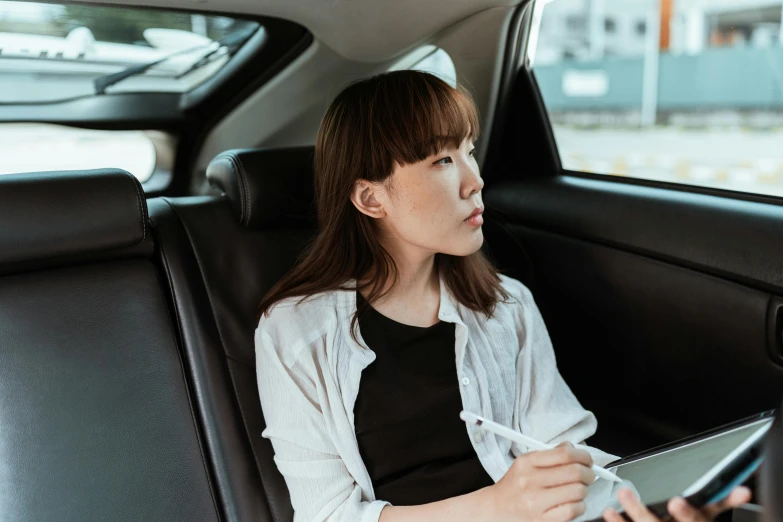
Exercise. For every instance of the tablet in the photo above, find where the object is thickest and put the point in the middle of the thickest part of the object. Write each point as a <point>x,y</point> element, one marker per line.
<point>703,469</point>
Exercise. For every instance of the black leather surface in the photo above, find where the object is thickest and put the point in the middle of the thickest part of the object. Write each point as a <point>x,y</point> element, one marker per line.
<point>267,187</point>
<point>95,419</point>
<point>218,319</point>
<point>735,239</point>
<point>274,486</point>
<point>657,351</point>
<point>237,478</point>
<point>238,265</point>
<point>50,216</point>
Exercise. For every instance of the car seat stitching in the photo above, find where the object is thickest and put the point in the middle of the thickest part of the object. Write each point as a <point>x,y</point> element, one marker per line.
<point>234,163</point>
<point>139,200</point>
<point>246,202</point>
<point>247,193</point>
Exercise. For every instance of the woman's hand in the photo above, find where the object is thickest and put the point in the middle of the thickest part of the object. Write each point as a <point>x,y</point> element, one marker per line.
<point>679,509</point>
<point>547,486</point>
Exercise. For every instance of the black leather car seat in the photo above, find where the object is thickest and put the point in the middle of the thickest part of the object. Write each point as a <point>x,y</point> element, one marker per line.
<point>96,421</point>
<point>220,256</point>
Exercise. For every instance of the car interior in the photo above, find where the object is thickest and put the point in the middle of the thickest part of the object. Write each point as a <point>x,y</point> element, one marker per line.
<point>128,302</point>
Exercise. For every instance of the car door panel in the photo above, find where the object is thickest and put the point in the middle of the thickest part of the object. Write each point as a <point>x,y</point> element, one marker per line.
<point>660,303</point>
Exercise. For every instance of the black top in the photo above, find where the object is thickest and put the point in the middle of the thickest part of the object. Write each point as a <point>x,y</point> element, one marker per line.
<point>406,416</point>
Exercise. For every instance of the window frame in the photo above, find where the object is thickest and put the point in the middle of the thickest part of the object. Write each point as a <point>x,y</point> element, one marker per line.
<point>553,167</point>
<point>187,116</point>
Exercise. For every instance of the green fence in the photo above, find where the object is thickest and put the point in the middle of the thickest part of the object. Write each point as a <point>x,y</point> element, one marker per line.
<point>735,78</point>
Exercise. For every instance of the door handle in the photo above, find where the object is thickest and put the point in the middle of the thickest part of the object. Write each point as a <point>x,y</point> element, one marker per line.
<point>775,329</point>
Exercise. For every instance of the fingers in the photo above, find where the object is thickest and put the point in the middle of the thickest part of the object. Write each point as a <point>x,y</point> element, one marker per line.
<point>566,474</point>
<point>549,498</point>
<point>684,512</point>
<point>678,507</point>
<point>610,515</point>
<point>635,509</point>
<point>562,454</point>
<point>740,495</point>
<point>565,512</point>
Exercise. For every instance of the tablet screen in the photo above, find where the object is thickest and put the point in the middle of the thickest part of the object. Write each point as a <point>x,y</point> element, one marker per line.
<point>659,477</point>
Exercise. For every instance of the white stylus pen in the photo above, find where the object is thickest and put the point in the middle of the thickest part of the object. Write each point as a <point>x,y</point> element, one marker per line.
<point>515,436</point>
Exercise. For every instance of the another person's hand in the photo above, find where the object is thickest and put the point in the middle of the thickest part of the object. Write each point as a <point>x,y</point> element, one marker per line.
<point>678,508</point>
<point>544,486</point>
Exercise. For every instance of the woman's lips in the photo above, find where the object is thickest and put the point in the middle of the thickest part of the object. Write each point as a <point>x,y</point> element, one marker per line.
<point>476,219</point>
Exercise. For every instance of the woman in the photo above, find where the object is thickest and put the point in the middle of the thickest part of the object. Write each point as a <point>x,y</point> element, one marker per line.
<point>357,373</point>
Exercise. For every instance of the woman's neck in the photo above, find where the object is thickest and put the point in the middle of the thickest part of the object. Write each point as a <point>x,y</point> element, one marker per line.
<point>414,299</point>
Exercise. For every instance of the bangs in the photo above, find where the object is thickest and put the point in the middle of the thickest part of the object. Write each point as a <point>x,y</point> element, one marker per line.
<point>417,115</point>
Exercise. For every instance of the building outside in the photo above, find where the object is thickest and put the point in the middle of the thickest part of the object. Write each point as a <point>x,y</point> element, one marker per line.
<point>683,91</point>
<point>595,29</point>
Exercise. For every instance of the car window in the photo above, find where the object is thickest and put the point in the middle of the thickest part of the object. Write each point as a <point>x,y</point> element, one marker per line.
<point>35,147</point>
<point>439,63</point>
<point>51,52</point>
<point>681,91</point>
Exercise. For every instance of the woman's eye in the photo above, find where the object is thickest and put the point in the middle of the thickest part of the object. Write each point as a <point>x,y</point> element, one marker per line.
<point>443,161</point>
<point>472,152</point>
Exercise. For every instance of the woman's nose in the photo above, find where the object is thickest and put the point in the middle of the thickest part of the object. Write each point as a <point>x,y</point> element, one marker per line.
<point>472,183</point>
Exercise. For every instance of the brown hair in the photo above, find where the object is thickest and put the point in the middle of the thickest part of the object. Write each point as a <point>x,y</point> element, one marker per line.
<point>399,117</point>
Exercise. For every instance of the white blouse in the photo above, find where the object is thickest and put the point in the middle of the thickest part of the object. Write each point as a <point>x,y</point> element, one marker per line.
<point>309,369</point>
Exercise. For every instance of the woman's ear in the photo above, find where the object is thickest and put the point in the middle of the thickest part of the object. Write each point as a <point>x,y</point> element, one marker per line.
<point>365,198</point>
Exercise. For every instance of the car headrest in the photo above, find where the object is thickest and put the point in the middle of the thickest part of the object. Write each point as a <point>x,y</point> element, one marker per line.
<point>267,187</point>
<point>47,216</point>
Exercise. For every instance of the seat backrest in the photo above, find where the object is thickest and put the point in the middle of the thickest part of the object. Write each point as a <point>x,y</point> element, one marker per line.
<point>96,420</point>
<point>222,255</point>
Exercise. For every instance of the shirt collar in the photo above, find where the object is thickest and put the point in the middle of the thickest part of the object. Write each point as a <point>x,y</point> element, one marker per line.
<point>449,307</point>
<point>448,310</point>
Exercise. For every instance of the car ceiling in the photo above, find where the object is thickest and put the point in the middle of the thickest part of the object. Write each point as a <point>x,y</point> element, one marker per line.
<point>361,30</point>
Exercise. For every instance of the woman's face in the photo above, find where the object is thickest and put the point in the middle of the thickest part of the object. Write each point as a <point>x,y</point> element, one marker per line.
<point>434,204</point>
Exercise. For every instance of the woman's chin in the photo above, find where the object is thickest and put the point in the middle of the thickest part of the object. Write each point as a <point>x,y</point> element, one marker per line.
<point>468,246</point>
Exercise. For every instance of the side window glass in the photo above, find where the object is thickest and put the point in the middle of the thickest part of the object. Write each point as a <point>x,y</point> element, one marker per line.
<point>683,91</point>
<point>440,64</point>
<point>34,147</point>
